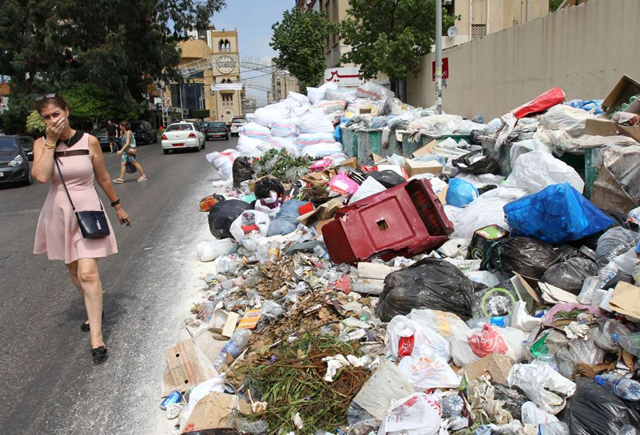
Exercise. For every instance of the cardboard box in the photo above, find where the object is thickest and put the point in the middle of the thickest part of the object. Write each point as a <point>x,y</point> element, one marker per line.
<point>427,149</point>
<point>621,94</point>
<point>414,168</point>
<point>495,365</point>
<point>186,366</point>
<point>211,414</point>
<point>606,127</point>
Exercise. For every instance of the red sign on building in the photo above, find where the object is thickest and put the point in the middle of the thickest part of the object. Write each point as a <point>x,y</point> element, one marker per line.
<point>445,69</point>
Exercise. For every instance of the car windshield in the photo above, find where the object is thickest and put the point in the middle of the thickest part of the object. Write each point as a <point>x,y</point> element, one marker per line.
<point>136,126</point>
<point>7,144</point>
<point>239,121</point>
<point>180,127</point>
<point>217,124</point>
<point>25,141</point>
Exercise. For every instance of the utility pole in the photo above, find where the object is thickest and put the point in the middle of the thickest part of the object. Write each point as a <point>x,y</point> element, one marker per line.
<point>181,109</point>
<point>439,57</point>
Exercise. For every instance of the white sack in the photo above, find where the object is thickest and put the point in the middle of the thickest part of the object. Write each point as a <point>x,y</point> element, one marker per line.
<point>248,147</point>
<point>536,170</point>
<point>223,162</point>
<point>322,150</point>
<point>259,219</point>
<point>408,337</point>
<point>314,122</point>
<point>471,346</point>
<point>567,118</point>
<point>211,249</point>
<point>427,371</point>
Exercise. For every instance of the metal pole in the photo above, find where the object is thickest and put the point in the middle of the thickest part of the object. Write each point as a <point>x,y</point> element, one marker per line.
<point>439,57</point>
<point>181,109</point>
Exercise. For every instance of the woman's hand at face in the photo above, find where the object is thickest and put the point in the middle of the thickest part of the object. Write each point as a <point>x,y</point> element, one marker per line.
<point>55,128</point>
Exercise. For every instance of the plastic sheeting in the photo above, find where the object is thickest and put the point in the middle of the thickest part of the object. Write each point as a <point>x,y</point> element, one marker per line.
<point>536,170</point>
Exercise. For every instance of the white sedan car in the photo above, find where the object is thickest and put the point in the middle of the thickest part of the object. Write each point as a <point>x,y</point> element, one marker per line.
<point>182,135</point>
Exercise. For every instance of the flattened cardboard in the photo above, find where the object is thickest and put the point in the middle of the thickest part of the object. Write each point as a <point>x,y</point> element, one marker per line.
<point>427,149</point>
<point>621,93</point>
<point>374,270</point>
<point>207,343</point>
<point>496,365</point>
<point>606,127</point>
<point>230,324</point>
<point>250,319</point>
<point>626,300</point>
<point>186,366</point>
<point>324,212</point>
<point>414,168</point>
<point>212,412</point>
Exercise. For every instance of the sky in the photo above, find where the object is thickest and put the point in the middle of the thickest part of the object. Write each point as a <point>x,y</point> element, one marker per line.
<point>253,19</point>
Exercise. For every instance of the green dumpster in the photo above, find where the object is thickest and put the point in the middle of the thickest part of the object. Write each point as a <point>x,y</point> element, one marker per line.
<point>369,142</point>
<point>349,141</point>
<point>409,147</point>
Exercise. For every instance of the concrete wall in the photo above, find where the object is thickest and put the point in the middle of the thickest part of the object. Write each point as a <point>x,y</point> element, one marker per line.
<point>584,49</point>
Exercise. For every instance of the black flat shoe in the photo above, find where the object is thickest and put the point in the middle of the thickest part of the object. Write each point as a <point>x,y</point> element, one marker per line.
<point>85,327</point>
<point>99,355</point>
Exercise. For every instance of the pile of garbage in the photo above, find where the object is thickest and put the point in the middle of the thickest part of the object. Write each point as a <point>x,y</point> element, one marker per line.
<point>451,290</point>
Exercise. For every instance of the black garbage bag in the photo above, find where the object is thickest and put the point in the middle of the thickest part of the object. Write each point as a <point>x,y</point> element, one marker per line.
<point>593,410</point>
<point>266,185</point>
<point>569,275</point>
<point>242,170</point>
<point>484,165</point>
<point>614,242</point>
<point>430,283</point>
<point>474,137</point>
<point>513,398</point>
<point>387,178</point>
<point>222,216</point>
<point>526,256</point>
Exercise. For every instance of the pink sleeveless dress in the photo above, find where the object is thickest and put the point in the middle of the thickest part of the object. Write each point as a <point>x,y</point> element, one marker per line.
<point>58,234</point>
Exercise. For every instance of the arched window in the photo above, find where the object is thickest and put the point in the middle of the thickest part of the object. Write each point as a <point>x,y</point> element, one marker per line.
<point>221,45</point>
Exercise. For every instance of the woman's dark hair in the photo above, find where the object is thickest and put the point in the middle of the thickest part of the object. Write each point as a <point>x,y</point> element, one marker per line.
<point>126,125</point>
<point>56,100</point>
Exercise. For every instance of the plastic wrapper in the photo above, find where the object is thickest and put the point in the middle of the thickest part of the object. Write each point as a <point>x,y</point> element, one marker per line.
<point>614,242</point>
<point>266,185</point>
<point>445,324</point>
<point>538,169</point>
<point>429,370</point>
<point>623,163</point>
<point>513,398</point>
<point>417,414</point>
<point>578,352</point>
<point>286,220</point>
<point>408,337</point>
<point>222,216</point>
<point>544,386</point>
<point>468,164</point>
<point>248,222</point>
<point>522,255</point>
<point>477,343</point>
<point>570,275</point>
<point>429,283</point>
<point>557,214</point>
<point>603,335</point>
<point>369,187</point>
<point>532,414</point>
<point>387,178</point>
<point>373,91</point>
<point>461,193</point>
<point>541,103</point>
<point>595,411</point>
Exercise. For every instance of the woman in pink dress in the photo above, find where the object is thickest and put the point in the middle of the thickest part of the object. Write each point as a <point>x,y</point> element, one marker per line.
<point>58,234</point>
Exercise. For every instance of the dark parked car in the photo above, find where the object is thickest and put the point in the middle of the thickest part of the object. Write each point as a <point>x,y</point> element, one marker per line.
<point>216,130</point>
<point>103,138</point>
<point>143,132</point>
<point>26,142</point>
<point>14,163</point>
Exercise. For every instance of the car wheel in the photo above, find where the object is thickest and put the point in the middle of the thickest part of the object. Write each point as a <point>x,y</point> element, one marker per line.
<point>29,180</point>
<point>204,144</point>
<point>226,137</point>
<point>165,151</point>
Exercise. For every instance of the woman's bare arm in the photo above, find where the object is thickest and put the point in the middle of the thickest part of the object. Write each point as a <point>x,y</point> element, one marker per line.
<point>103,178</point>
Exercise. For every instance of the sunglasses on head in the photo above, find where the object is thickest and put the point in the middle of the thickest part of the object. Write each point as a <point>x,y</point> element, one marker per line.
<point>47,96</point>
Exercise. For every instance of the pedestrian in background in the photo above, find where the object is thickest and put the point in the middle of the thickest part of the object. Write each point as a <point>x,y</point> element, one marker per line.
<point>111,137</point>
<point>72,160</point>
<point>129,153</point>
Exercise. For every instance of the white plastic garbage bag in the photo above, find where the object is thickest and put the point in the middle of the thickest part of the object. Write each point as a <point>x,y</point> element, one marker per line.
<point>254,131</point>
<point>531,414</point>
<point>322,150</point>
<point>248,147</point>
<point>538,169</point>
<point>373,91</point>
<point>281,143</point>
<point>477,343</point>
<point>314,122</point>
<point>223,162</point>
<point>285,127</point>
<point>418,414</point>
<point>369,187</point>
<point>429,370</point>
<point>248,222</point>
<point>340,94</point>
<point>443,323</point>
<point>526,146</point>
<point>305,140</point>
<point>317,94</point>
<point>266,115</point>
<point>408,337</point>
<point>567,118</point>
<point>211,249</point>
<point>300,98</point>
<point>544,386</point>
<point>331,106</point>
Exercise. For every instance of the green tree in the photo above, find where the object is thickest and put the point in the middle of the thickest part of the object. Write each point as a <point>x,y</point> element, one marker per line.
<point>299,40</point>
<point>554,5</point>
<point>121,46</point>
<point>35,124</point>
<point>390,36</point>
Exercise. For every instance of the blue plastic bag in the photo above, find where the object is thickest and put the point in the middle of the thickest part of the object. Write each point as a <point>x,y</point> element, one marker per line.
<point>461,193</point>
<point>286,220</point>
<point>557,214</point>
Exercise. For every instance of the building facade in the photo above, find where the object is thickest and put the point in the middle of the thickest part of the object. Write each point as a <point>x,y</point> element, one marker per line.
<point>282,82</point>
<point>210,62</point>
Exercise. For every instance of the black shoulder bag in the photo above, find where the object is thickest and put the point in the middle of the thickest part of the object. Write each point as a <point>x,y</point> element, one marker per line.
<point>93,224</point>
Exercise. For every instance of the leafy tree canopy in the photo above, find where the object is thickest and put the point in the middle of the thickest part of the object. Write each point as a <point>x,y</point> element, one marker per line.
<point>299,40</point>
<point>118,46</point>
<point>390,36</point>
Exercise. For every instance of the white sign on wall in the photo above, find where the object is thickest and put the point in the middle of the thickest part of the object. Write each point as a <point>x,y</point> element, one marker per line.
<point>226,87</point>
<point>344,76</point>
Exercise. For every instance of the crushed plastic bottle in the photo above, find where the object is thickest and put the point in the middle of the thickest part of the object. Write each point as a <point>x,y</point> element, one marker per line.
<point>549,360</point>
<point>236,344</point>
<point>500,321</point>
<point>625,388</point>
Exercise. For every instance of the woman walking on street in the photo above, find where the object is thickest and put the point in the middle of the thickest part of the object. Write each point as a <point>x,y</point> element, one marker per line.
<point>129,153</point>
<point>72,222</point>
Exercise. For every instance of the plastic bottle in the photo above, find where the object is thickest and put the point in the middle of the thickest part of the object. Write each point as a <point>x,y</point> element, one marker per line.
<point>626,389</point>
<point>236,344</point>
<point>502,321</point>
<point>549,360</point>
<point>559,428</point>
<point>630,343</point>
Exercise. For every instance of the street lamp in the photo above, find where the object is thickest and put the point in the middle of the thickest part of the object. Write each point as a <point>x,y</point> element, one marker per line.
<point>439,57</point>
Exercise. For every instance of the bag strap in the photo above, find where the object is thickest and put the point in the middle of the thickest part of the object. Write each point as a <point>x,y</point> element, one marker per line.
<point>55,159</point>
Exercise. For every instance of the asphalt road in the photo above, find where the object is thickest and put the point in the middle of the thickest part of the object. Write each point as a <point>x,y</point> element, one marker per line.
<point>48,383</point>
